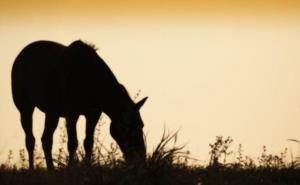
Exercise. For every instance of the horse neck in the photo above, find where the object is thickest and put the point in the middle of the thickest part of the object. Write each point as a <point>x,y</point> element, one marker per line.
<point>116,102</point>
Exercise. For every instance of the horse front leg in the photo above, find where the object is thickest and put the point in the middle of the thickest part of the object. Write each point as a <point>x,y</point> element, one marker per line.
<point>72,136</point>
<point>91,122</point>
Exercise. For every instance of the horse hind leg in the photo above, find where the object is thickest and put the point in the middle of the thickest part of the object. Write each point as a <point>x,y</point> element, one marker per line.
<point>26,121</point>
<point>51,123</point>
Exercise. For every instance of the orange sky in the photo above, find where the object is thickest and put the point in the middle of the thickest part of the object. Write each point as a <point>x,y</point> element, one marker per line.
<point>147,7</point>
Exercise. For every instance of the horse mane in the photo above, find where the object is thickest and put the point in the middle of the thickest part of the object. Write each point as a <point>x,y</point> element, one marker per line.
<point>86,44</point>
<point>91,45</point>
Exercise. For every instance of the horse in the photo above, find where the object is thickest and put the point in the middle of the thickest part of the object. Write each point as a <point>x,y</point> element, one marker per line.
<point>69,81</point>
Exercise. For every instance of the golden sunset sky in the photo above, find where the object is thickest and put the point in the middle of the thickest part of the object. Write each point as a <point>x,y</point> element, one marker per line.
<point>209,67</point>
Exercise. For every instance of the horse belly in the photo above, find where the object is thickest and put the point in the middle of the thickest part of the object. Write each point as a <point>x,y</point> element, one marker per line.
<point>80,96</point>
<point>48,101</point>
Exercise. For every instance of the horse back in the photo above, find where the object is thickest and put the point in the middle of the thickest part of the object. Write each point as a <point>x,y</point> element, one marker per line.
<point>57,78</point>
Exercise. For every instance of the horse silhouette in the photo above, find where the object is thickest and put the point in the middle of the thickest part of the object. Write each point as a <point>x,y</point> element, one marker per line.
<point>69,81</point>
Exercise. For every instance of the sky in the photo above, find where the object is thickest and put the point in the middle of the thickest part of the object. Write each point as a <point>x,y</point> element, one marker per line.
<point>209,67</point>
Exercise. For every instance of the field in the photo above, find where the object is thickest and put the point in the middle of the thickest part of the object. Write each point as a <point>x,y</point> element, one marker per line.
<point>168,164</point>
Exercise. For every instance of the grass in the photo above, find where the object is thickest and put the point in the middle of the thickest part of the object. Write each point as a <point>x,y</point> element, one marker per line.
<point>168,164</point>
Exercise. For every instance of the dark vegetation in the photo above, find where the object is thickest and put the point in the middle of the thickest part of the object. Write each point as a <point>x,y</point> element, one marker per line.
<point>168,164</point>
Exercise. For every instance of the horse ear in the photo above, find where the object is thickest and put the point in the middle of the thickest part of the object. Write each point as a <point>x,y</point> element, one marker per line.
<point>141,103</point>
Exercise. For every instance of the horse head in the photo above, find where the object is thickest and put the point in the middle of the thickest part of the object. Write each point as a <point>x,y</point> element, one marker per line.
<point>127,130</point>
